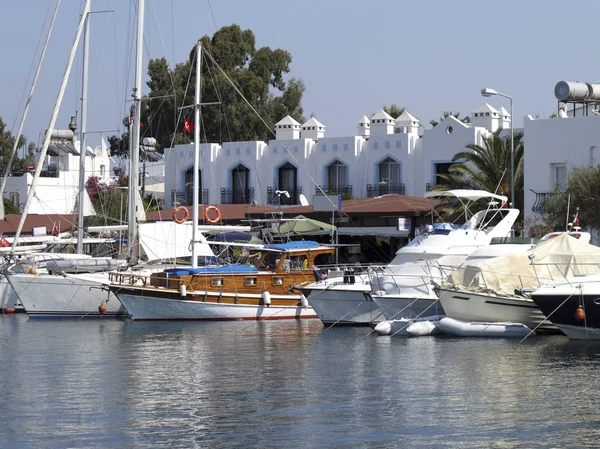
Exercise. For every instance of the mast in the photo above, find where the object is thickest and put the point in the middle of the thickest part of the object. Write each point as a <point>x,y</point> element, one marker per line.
<point>18,136</point>
<point>83,134</point>
<point>134,155</point>
<point>196,178</point>
<point>59,98</point>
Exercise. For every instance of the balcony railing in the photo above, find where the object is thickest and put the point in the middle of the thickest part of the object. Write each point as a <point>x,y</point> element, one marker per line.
<point>274,199</point>
<point>384,189</point>
<point>540,198</point>
<point>183,198</point>
<point>237,196</point>
<point>334,190</point>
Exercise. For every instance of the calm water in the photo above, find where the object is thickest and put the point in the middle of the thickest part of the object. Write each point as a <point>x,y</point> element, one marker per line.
<point>119,384</point>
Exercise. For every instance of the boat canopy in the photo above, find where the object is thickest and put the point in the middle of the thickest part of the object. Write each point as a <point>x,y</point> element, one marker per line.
<point>549,260</point>
<point>470,195</point>
<point>237,268</point>
<point>300,244</point>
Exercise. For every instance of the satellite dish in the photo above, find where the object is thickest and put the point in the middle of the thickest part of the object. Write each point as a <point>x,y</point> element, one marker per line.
<point>303,200</point>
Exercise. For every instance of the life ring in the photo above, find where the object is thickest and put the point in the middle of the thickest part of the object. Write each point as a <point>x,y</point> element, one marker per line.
<point>212,220</point>
<point>183,219</point>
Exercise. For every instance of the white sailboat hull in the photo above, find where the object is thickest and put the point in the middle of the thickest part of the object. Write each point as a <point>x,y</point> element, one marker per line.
<point>156,308</point>
<point>53,296</point>
<point>470,306</point>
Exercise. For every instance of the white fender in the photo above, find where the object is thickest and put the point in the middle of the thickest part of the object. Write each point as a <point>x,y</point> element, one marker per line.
<point>304,301</point>
<point>266,297</point>
<point>182,290</point>
<point>383,328</point>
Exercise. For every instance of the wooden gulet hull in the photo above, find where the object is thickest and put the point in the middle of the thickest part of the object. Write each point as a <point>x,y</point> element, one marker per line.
<point>169,304</point>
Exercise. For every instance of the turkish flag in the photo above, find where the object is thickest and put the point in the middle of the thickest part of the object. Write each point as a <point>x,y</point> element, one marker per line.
<point>187,125</point>
<point>576,221</point>
<point>55,229</point>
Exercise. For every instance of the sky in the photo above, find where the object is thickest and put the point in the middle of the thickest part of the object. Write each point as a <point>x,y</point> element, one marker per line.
<point>353,56</point>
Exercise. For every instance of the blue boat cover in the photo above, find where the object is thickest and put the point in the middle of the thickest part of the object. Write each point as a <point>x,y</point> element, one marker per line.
<point>300,244</point>
<point>225,269</point>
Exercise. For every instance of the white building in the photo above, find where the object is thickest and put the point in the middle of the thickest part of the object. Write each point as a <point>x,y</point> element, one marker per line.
<point>57,188</point>
<point>386,156</point>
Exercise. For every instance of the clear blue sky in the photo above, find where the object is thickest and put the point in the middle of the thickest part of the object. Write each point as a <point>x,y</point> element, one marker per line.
<point>353,56</point>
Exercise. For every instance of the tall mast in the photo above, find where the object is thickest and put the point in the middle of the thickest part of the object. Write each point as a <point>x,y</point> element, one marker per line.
<point>134,155</point>
<point>83,134</point>
<point>59,98</point>
<point>196,178</point>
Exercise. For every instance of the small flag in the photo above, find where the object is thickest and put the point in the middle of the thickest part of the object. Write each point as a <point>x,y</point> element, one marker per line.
<point>576,221</point>
<point>187,125</point>
<point>141,125</point>
<point>55,229</point>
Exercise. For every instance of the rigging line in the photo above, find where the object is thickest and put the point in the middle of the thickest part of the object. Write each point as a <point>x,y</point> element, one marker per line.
<point>162,44</point>
<point>35,78</point>
<point>270,130</point>
<point>187,86</point>
<point>34,56</point>
<point>212,14</point>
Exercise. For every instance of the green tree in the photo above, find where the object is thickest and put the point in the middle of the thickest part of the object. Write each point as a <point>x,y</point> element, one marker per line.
<point>447,114</point>
<point>583,191</point>
<point>7,142</point>
<point>487,167</point>
<point>259,74</point>
<point>394,110</point>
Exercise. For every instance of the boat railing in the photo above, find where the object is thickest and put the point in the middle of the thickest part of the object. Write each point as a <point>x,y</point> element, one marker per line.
<point>390,282</point>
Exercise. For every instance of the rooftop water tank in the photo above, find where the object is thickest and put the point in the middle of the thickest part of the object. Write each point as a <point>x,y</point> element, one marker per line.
<point>593,91</point>
<point>571,91</point>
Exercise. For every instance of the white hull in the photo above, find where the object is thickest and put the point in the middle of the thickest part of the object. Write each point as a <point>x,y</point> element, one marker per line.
<point>9,298</point>
<point>153,308</point>
<point>53,296</point>
<point>342,304</point>
<point>469,306</point>
<point>395,307</point>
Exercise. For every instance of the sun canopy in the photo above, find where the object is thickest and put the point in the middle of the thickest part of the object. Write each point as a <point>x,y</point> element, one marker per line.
<point>470,195</point>
<point>303,225</point>
<point>549,260</point>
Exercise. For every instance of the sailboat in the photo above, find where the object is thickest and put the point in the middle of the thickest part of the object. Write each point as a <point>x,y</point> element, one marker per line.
<point>263,291</point>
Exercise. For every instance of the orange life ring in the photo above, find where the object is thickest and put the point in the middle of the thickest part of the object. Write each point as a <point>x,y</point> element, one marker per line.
<point>212,220</point>
<point>183,219</point>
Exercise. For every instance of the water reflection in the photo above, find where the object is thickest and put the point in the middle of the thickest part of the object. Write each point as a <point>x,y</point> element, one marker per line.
<point>287,384</point>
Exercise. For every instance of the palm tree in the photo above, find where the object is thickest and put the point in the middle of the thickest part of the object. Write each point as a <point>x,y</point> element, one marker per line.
<point>487,167</point>
<point>394,110</point>
<point>456,115</point>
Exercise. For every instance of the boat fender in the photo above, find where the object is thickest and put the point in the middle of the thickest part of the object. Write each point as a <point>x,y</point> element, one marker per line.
<point>421,328</point>
<point>266,298</point>
<point>182,290</point>
<point>8,310</point>
<point>579,314</point>
<point>31,270</point>
<point>102,308</point>
<point>383,328</point>
<point>304,301</point>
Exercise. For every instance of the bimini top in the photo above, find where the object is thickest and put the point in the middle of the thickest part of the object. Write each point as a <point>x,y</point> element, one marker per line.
<point>470,195</point>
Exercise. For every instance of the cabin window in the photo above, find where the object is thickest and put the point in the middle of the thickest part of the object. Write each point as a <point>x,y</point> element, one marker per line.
<point>277,281</point>
<point>216,282</point>
<point>250,282</point>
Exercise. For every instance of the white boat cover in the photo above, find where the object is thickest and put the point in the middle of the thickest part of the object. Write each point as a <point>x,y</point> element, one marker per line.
<point>549,260</point>
<point>83,265</point>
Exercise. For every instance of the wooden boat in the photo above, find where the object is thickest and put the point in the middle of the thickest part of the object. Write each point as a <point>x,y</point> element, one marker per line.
<point>263,291</point>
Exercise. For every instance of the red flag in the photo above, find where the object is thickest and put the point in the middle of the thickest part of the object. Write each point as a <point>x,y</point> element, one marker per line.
<point>187,125</point>
<point>576,221</point>
<point>141,125</point>
<point>55,229</point>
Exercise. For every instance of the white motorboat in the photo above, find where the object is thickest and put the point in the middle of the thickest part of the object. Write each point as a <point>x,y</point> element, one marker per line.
<point>496,289</point>
<point>457,328</point>
<point>402,288</point>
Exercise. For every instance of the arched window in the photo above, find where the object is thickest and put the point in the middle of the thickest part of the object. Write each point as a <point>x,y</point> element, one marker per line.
<point>337,177</point>
<point>189,186</point>
<point>240,183</point>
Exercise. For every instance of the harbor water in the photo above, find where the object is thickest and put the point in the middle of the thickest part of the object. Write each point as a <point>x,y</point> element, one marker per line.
<point>122,384</point>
